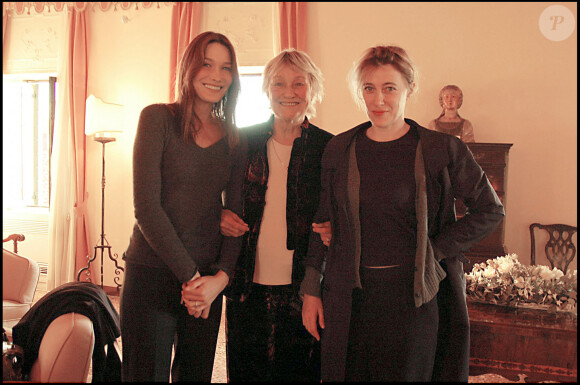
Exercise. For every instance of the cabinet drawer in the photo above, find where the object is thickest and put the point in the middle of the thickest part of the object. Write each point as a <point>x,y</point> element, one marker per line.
<point>490,153</point>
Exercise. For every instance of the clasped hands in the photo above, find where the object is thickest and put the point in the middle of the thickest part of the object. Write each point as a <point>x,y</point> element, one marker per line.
<point>199,293</point>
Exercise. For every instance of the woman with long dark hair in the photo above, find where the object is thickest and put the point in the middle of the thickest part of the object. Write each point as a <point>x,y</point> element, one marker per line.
<point>186,154</point>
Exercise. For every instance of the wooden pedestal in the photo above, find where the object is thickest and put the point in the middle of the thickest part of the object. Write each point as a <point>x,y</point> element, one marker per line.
<point>512,341</point>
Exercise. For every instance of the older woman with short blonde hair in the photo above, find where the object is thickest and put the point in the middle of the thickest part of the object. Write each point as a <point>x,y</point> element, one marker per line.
<point>266,340</point>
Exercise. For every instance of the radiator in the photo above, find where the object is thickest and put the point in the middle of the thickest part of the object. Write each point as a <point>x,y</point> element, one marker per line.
<point>34,226</point>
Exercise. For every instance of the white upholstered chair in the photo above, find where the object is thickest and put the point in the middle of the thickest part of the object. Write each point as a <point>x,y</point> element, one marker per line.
<point>19,280</point>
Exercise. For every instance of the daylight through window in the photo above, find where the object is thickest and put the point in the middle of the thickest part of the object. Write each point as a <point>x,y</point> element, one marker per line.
<point>253,105</point>
<point>27,127</point>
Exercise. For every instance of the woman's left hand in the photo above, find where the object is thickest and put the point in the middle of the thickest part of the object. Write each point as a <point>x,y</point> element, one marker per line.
<point>324,230</point>
<point>200,293</point>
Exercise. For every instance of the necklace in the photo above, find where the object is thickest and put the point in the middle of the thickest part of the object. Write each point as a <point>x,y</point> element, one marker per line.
<point>278,156</point>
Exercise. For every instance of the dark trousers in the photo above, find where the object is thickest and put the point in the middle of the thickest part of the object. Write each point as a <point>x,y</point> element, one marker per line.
<point>153,321</point>
<point>390,339</point>
<point>452,359</point>
<point>266,340</point>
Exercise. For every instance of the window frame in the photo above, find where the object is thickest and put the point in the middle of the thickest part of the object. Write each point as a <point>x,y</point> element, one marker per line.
<point>33,201</point>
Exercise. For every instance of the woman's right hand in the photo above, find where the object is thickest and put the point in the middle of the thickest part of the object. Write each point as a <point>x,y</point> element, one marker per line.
<point>199,293</point>
<point>231,225</point>
<point>312,315</point>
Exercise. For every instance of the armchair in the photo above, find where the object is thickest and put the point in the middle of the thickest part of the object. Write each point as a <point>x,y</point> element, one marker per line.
<point>65,351</point>
<point>75,320</point>
<point>19,280</point>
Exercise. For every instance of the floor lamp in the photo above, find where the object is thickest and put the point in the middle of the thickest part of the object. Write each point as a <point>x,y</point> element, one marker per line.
<point>102,121</point>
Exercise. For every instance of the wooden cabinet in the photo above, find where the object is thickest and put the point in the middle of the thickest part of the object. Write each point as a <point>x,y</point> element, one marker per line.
<point>493,159</point>
<point>515,341</point>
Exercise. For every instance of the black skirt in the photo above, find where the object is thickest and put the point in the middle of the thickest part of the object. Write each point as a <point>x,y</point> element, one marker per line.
<point>390,339</point>
<point>265,338</point>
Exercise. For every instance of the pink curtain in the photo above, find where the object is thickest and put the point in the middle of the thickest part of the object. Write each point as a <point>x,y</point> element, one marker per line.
<point>185,22</point>
<point>77,87</point>
<point>68,213</point>
<point>68,237</point>
<point>293,25</point>
<point>5,21</point>
<point>4,24</point>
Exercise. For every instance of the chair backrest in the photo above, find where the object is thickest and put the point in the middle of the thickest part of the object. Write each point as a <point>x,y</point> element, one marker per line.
<point>66,350</point>
<point>560,249</point>
<point>20,276</point>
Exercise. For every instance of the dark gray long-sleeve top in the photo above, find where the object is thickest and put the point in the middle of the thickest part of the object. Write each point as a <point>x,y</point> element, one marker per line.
<point>177,194</point>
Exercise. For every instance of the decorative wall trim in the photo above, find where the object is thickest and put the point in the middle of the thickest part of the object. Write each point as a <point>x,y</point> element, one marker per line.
<point>249,27</point>
<point>31,44</point>
<point>28,8</point>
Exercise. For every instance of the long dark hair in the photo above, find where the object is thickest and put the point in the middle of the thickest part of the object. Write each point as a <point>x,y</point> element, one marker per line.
<point>190,64</point>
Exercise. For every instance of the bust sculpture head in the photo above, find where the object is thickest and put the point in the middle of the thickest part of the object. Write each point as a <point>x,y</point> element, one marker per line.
<point>450,97</point>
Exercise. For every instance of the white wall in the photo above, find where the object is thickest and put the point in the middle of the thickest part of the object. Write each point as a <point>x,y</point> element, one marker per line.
<point>518,86</point>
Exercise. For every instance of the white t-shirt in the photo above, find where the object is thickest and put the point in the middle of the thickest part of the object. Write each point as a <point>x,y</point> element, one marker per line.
<point>273,259</point>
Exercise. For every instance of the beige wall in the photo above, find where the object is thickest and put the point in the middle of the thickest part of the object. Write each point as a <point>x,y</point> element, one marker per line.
<point>519,87</point>
<point>128,65</point>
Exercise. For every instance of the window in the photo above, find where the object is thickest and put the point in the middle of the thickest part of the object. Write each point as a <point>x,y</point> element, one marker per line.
<point>28,104</point>
<point>253,105</point>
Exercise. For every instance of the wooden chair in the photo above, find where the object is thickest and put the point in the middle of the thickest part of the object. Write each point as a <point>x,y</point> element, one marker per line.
<point>14,238</point>
<point>560,249</point>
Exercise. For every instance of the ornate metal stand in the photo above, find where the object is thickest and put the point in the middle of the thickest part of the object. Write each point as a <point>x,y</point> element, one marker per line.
<point>103,244</point>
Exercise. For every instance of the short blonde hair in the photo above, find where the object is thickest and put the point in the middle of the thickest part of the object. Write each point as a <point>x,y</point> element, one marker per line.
<point>375,57</point>
<point>301,61</point>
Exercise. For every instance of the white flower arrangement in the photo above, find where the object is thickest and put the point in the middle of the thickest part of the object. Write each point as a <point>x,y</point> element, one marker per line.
<point>505,281</point>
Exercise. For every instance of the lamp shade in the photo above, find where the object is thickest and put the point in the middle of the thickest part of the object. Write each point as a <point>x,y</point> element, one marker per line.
<point>103,119</point>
